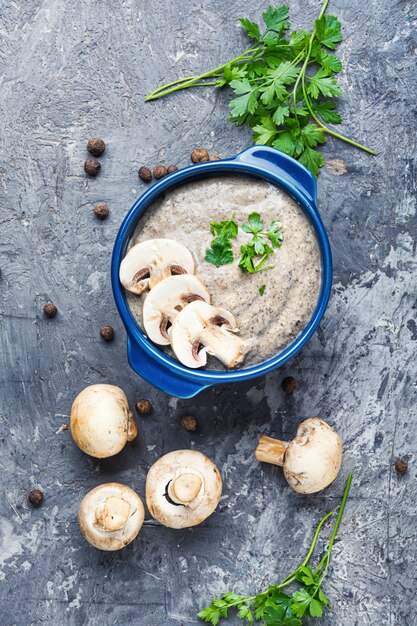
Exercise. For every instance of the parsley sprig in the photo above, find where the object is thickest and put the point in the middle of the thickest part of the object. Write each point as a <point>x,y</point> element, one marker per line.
<point>255,253</point>
<point>274,607</point>
<point>220,251</point>
<point>285,85</point>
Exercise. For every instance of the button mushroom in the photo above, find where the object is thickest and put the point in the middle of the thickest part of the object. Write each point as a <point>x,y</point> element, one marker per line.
<point>201,329</point>
<point>183,488</point>
<point>167,298</point>
<point>101,422</point>
<point>311,461</point>
<point>110,516</point>
<point>149,262</point>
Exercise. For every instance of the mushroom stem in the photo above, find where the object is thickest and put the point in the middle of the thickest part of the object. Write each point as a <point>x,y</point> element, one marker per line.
<point>271,450</point>
<point>185,488</point>
<point>112,514</point>
<point>132,431</point>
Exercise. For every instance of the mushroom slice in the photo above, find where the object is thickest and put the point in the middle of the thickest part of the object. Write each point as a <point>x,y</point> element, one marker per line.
<point>149,262</point>
<point>183,488</point>
<point>311,461</point>
<point>202,329</point>
<point>101,422</point>
<point>110,516</point>
<point>167,298</point>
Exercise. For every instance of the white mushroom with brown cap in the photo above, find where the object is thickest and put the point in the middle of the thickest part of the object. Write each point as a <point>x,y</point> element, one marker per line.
<point>148,262</point>
<point>311,461</point>
<point>183,488</point>
<point>202,329</point>
<point>101,422</point>
<point>110,516</point>
<point>166,300</point>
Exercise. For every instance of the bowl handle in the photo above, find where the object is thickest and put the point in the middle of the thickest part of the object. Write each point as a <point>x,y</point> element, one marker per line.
<point>285,167</point>
<point>158,375</point>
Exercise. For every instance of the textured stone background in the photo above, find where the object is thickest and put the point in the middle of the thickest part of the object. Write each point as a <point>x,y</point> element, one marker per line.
<point>70,70</point>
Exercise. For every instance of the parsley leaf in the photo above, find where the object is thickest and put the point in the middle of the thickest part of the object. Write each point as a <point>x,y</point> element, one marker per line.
<point>328,31</point>
<point>254,225</point>
<point>275,234</point>
<point>227,229</point>
<point>264,132</point>
<point>276,18</point>
<point>280,114</point>
<point>316,608</point>
<point>220,251</point>
<point>245,103</point>
<point>326,110</point>
<point>329,62</point>
<point>252,29</point>
<point>301,602</point>
<point>262,290</point>
<point>312,159</point>
<point>322,83</point>
<point>248,261</point>
<point>312,135</point>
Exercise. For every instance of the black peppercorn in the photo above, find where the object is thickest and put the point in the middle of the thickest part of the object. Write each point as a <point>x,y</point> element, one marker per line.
<point>35,497</point>
<point>401,466</point>
<point>101,210</point>
<point>159,171</point>
<point>290,384</point>
<point>189,423</point>
<point>199,155</point>
<point>92,166</point>
<point>172,168</point>
<point>143,407</point>
<point>96,146</point>
<point>145,174</point>
<point>50,310</point>
<point>107,333</point>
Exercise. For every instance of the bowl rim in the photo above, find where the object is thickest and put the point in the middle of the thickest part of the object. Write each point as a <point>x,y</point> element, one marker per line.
<point>189,174</point>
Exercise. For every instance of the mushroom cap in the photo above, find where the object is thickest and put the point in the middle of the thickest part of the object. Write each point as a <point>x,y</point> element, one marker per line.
<point>165,300</point>
<point>110,516</point>
<point>148,262</point>
<point>183,488</point>
<point>201,329</point>
<point>313,458</point>
<point>101,422</point>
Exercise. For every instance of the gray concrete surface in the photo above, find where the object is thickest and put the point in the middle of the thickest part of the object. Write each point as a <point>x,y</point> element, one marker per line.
<point>73,69</point>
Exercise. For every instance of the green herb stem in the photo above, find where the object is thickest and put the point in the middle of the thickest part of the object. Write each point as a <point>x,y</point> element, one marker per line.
<point>324,128</point>
<point>326,557</point>
<point>305,64</point>
<point>190,81</point>
<point>291,577</point>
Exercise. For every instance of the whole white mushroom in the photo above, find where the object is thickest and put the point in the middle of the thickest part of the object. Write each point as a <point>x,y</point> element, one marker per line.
<point>183,488</point>
<point>101,422</point>
<point>111,516</point>
<point>311,461</point>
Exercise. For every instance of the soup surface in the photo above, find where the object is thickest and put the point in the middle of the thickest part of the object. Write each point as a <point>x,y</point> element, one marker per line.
<point>269,322</point>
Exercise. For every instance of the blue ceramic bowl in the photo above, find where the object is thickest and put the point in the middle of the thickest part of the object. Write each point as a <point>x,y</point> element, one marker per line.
<point>147,359</point>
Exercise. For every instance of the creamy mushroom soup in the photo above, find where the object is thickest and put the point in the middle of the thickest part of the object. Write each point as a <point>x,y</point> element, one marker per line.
<point>268,322</point>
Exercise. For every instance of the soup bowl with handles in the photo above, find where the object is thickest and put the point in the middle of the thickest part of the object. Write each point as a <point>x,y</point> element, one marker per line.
<point>146,358</point>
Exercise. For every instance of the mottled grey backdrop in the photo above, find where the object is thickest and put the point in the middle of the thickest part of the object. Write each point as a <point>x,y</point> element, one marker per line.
<point>71,69</point>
